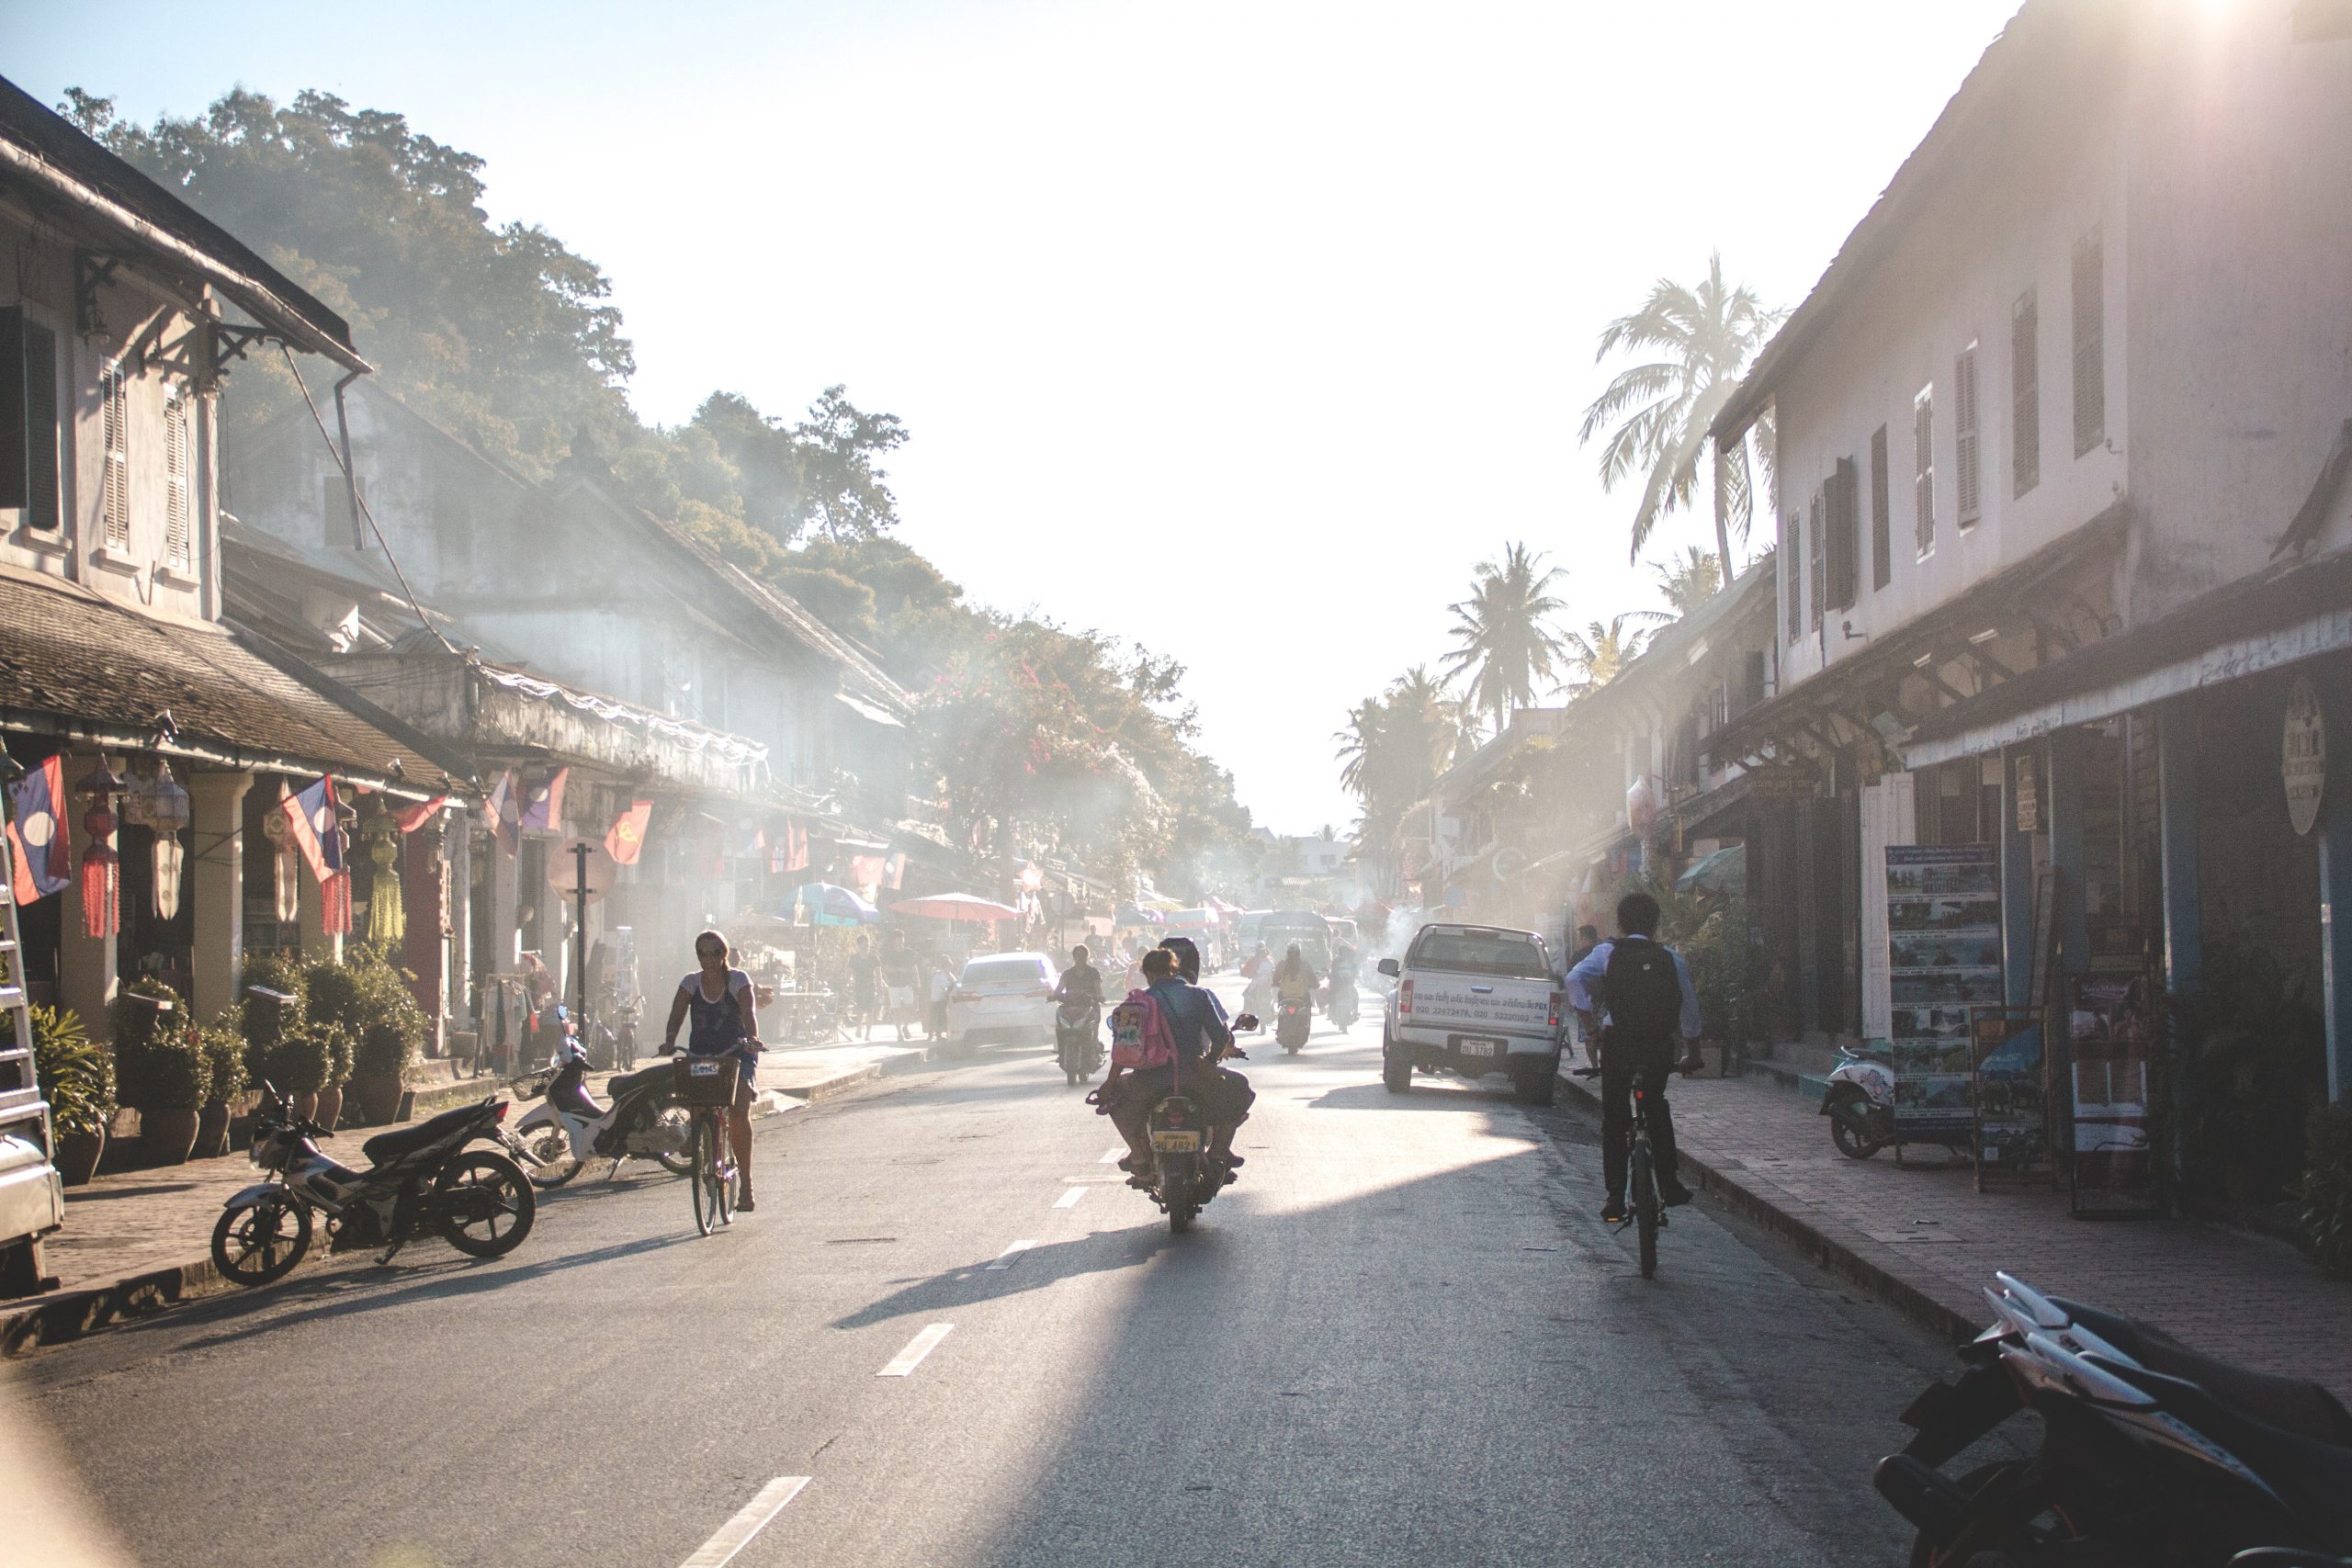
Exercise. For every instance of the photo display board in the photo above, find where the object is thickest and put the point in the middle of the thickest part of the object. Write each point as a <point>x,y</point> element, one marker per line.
<point>2011,1109</point>
<point>2107,1030</point>
<point>1943,933</point>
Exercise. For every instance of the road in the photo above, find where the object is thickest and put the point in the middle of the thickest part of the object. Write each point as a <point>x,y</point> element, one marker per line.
<point>1403,1338</point>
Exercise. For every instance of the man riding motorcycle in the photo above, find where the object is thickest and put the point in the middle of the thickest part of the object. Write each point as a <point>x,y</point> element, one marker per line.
<point>1082,983</point>
<point>1201,1035</point>
<point>1231,1104</point>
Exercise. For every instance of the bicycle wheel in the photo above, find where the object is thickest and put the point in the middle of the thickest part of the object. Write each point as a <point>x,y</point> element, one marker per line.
<point>705,1181</point>
<point>1646,1205</point>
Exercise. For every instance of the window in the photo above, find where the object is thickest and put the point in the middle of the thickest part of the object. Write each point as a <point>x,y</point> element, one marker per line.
<point>179,463</point>
<point>1881,538</point>
<point>1504,954</point>
<point>29,462</point>
<point>114,493</point>
<point>1964,437</point>
<point>1752,679</point>
<point>2025,394</point>
<point>1820,559</point>
<point>1845,542</point>
<point>2090,343</point>
<point>1923,468</point>
<point>1793,576</point>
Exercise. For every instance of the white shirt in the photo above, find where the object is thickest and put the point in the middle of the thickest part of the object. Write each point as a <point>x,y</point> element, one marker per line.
<point>1595,964</point>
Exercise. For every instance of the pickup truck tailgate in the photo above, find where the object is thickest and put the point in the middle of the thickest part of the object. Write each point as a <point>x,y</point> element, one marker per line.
<point>1496,1006</point>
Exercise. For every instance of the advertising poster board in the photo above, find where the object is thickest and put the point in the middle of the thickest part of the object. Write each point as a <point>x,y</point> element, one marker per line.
<point>1943,921</point>
<point>2111,1080</point>
<point>2012,1103</point>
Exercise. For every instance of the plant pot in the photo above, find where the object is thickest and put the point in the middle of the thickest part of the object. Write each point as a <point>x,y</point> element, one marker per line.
<point>213,1130</point>
<point>306,1104</point>
<point>77,1155</point>
<point>167,1136</point>
<point>377,1096</point>
<point>330,1105</point>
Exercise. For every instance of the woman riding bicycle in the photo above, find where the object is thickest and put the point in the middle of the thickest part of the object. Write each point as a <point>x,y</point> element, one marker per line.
<point>726,1024</point>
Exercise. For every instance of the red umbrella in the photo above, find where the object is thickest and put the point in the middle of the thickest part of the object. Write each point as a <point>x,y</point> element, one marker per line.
<point>963,907</point>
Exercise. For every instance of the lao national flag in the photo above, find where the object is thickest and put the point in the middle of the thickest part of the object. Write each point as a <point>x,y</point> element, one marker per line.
<point>789,850</point>
<point>416,817</point>
<point>627,840</point>
<point>44,862</point>
<point>498,812</point>
<point>310,819</point>
<point>894,871</point>
<point>543,802</point>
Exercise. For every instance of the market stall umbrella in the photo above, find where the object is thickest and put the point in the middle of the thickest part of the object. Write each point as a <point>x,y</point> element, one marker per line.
<point>963,907</point>
<point>1129,915</point>
<point>827,903</point>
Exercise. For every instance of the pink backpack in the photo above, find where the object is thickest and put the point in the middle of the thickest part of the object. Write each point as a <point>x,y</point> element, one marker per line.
<point>1139,1034</point>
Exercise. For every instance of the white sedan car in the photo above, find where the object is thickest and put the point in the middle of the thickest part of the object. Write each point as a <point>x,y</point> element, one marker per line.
<point>1005,996</point>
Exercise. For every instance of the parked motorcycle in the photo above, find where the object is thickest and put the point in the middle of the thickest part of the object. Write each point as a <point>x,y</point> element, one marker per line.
<point>1293,1023</point>
<point>2151,1452</point>
<point>568,1129</point>
<point>422,1177</point>
<point>1859,1103</point>
<point>1078,1040</point>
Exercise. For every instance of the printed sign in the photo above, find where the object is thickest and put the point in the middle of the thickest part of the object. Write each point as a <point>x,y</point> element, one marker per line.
<point>2006,1047</point>
<point>1943,924</point>
<point>2106,1028</point>
<point>2028,794</point>
<point>2302,759</point>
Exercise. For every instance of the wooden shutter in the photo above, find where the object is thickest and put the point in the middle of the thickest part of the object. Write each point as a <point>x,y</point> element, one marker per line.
<point>1820,559</point>
<point>1965,444</point>
<point>1844,499</point>
<point>1881,526</point>
<point>1923,468</point>
<point>2025,394</point>
<point>114,495</point>
<point>2090,343</point>
<point>1793,576</point>
<point>177,470</point>
<point>29,419</point>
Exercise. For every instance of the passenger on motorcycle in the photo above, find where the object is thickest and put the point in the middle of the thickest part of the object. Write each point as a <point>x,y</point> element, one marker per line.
<point>1233,1094</point>
<point>1294,978</point>
<point>1199,1035</point>
<point>726,1024</point>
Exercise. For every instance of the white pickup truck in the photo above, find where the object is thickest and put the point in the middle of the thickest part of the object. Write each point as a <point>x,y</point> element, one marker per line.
<point>1475,1000</point>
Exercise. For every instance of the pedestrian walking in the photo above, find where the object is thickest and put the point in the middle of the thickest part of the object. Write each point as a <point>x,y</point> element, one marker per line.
<point>900,973</point>
<point>942,982</point>
<point>864,986</point>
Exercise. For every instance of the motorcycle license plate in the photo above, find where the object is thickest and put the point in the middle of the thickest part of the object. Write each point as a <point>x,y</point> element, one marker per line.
<point>701,1069</point>
<point>1176,1143</point>
<point>1482,1047</point>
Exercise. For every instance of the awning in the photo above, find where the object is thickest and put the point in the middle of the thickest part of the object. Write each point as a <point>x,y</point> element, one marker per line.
<point>77,666</point>
<point>868,711</point>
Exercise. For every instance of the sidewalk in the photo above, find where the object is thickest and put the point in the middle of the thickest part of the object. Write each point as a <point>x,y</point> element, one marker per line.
<point>1921,1236</point>
<point>136,1242</point>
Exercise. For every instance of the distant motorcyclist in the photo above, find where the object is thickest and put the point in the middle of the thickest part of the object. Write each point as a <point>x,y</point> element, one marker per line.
<point>1199,1034</point>
<point>1258,970</point>
<point>1234,1095</point>
<point>1294,978</point>
<point>1082,983</point>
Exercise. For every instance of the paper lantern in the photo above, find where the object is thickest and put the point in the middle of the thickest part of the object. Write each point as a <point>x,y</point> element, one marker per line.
<point>168,812</point>
<point>386,915</point>
<point>101,872</point>
<point>334,915</point>
<point>286,865</point>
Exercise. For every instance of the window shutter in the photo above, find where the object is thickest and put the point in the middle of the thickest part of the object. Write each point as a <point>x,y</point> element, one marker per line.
<point>29,419</point>
<point>1964,435</point>
<point>2090,343</point>
<point>15,476</point>
<point>1793,576</point>
<point>1923,467</point>
<point>1882,537</point>
<point>177,467</point>
<point>1844,534</point>
<point>114,498</point>
<point>2025,394</point>
<point>1820,559</point>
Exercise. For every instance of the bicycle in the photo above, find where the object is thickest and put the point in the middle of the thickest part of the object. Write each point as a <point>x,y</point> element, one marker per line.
<point>705,1087</point>
<point>1644,1208</point>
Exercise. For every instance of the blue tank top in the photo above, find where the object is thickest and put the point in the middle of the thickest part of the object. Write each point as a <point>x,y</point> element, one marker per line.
<point>714,1028</point>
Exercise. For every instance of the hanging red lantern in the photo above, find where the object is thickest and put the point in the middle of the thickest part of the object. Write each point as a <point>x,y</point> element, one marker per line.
<point>334,911</point>
<point>101,872</point>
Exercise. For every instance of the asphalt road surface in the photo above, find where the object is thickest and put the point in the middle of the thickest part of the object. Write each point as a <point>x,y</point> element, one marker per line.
<point>952,1336</point>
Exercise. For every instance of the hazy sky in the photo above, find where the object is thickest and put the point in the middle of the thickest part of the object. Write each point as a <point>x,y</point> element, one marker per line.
<point>1243,329</point>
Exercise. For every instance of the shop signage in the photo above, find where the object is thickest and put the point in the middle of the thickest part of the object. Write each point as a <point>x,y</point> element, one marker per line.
<point>2029,795</point>
<point>2303,759</point>
<point>1782,782</point>
<point>1944,920</point>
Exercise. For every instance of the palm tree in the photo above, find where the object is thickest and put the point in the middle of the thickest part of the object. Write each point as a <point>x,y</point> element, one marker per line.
<point>1689,579</point>
<point>1503,638</point>
<point>1705,338</point>
<point>1391,752</point>
<point>1599,653</point>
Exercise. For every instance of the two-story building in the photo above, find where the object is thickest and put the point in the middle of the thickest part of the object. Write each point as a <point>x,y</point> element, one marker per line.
<point>2062,440</point>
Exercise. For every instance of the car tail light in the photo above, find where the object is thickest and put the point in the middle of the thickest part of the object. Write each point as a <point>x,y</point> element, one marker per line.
<point>967,997</point>
<point>1559,1006</point>
<point>1405,998</point>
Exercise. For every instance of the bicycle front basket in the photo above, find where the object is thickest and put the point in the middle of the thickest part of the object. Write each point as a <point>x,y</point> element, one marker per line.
<point>703,1080</point>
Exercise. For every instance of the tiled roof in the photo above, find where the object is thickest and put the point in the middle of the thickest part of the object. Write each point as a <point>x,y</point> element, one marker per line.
<point>72,662</point>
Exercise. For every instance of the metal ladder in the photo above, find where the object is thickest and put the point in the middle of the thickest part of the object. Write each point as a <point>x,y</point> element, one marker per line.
<point>24,1113</point>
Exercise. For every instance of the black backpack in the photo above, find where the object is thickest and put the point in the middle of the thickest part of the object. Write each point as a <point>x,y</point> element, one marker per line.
<point>1643,993</point>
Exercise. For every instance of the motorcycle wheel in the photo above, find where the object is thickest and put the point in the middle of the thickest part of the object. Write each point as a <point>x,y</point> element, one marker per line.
<point>1850,1133</point>
<point>482,1204</point>
<point>674,1117</point>
<point>261,1241</point>
<point>1181,1209</point>
<point>551,1146</point>
<point>1925,1553</point>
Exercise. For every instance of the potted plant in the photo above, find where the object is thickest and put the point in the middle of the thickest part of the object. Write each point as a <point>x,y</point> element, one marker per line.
<point>76,1077</point>
<point>340,1048</point>
<point>386,1054</point>
<point>224,1050</point>
<point>270,1004</point>
<point>158,1057</point>
<point>296,1067</point>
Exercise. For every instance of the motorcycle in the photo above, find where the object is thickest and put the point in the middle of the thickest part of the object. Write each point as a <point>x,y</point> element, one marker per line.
<point>1342,1009</point>
<point>2151,1453</point>
<point>422,1177</point>
<point>568,1129</point>
<point>1294,1020</point>
<point>1859,1103</point>
<point>1187,1172</point>
<point>1078,1040</point>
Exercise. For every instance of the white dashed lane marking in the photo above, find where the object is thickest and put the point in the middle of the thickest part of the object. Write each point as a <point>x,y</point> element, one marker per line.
<point>1011,1254</point>
<point>752,1518</point>
<point>1111,1156</point>
<point>921,1345</point>
<point>1069,1199</point>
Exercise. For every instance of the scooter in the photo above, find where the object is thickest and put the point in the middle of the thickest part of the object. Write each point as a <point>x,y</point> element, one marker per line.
<point>1859,1103</point>
<point>1187,1171</point>
<point>422,1177</point>
<point>568,1129</point>
<point>1293,1023</point>
<point>1342,1008</point>
<point>2149,1454</point>
<point>1078,1040</point>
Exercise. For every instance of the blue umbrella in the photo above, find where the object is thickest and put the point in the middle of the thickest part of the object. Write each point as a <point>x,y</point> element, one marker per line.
<point>826,904</point>
<point>1128,915</point>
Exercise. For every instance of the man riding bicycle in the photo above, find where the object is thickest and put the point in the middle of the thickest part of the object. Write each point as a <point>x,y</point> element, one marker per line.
<point>1645,998</point>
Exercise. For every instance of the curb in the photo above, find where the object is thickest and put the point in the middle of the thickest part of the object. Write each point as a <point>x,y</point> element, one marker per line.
<point>76,1315</point>
<point>1827,1252</point>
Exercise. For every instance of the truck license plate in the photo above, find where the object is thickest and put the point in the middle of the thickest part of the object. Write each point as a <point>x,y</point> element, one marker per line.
<point>1176,1143</point>
<point>1482,1047</point>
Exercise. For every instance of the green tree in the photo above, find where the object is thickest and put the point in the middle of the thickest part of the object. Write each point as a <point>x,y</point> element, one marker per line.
<point>1599,654</point>
<point>1504,644</point>
<point>1391,752</point>
<point>1703,337</point>
<point>1689,579</point>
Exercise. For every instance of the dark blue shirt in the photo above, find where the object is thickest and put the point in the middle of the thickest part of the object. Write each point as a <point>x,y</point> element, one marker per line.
<point>1192,1013</point>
